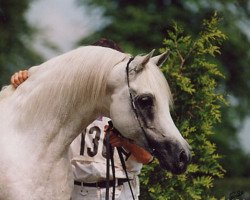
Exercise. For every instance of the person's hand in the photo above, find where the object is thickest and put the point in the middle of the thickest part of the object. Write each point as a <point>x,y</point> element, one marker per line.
<point>140,154</point>
<point>19,77</point>
<point>114,138</point>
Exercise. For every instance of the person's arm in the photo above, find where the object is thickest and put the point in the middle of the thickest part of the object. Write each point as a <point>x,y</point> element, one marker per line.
<point>19,77</point>
<point>140,154</point>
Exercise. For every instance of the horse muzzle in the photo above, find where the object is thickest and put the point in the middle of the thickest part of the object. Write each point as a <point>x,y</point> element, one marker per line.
<point>173,156</point>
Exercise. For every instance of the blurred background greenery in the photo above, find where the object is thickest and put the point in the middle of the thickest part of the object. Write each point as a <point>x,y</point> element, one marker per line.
<point>139,26</point>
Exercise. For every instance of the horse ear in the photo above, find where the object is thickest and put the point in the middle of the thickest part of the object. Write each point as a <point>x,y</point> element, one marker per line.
<point>141,61</point>
<point>160,59</point>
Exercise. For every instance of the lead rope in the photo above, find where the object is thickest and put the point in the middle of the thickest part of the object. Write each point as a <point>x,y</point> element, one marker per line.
<point>113,170</point>
<point>107,164</point>
<point>119,150</point>
<point>109,157</point>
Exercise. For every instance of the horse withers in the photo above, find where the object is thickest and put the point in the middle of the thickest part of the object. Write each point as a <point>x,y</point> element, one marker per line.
<point>40,119</point>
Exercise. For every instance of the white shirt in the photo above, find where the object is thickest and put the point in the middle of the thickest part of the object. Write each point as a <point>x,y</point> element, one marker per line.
<point>88,156</point>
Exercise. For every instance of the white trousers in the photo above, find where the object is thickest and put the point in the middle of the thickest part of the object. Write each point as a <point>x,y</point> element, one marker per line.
<point>122,192</point>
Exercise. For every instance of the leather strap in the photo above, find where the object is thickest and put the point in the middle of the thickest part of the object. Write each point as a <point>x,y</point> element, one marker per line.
<point>102,184</point>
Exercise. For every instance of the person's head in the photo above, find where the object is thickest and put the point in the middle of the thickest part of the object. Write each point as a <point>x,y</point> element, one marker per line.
<point>103,42</point>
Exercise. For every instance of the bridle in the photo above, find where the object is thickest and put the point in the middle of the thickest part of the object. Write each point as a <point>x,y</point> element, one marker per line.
<point>134,107</point>
<point>110,151</point>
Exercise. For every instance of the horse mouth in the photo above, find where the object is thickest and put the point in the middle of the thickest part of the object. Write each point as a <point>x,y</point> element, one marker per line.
<point>175,166</point>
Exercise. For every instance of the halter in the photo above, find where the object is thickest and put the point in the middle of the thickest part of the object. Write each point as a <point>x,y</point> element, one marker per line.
<point>110,151</point>
<point>134,107</point>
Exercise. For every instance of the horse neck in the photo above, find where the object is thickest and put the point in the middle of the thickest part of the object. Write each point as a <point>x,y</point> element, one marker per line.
<point>53,125</point>
<point>59,109</point>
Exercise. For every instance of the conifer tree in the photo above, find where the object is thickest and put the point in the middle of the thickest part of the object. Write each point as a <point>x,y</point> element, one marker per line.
<point>193,79</point>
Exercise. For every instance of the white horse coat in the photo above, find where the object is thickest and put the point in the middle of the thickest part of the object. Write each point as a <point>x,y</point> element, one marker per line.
<point>40,119</point>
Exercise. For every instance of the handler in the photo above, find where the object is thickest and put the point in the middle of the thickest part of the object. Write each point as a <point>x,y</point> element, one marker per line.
<point>88,155</point>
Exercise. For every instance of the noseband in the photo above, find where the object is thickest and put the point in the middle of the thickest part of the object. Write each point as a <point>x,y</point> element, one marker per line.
<point>134,107</point>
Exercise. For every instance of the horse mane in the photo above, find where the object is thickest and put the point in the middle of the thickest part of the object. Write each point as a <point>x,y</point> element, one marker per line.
<point>77,78</point>
<point>85,72</point>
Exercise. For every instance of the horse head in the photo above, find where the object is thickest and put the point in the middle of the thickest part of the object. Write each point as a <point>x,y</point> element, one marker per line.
<point>140,110</point>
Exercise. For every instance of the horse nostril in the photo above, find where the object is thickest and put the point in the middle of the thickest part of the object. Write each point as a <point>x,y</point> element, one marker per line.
<point>183,157</point>
<point>181,163</point>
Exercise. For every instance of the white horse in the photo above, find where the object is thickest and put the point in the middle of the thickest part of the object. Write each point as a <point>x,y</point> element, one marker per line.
<point>40,119</point>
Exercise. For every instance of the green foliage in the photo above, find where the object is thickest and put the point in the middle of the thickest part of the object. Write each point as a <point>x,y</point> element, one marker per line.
<point>15,39</point>
<point>192,78</point>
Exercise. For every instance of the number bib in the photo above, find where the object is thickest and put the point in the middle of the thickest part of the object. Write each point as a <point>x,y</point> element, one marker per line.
<point>88,149</point>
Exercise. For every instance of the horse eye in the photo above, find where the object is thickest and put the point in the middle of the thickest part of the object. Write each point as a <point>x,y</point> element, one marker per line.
<point>144,101</point>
